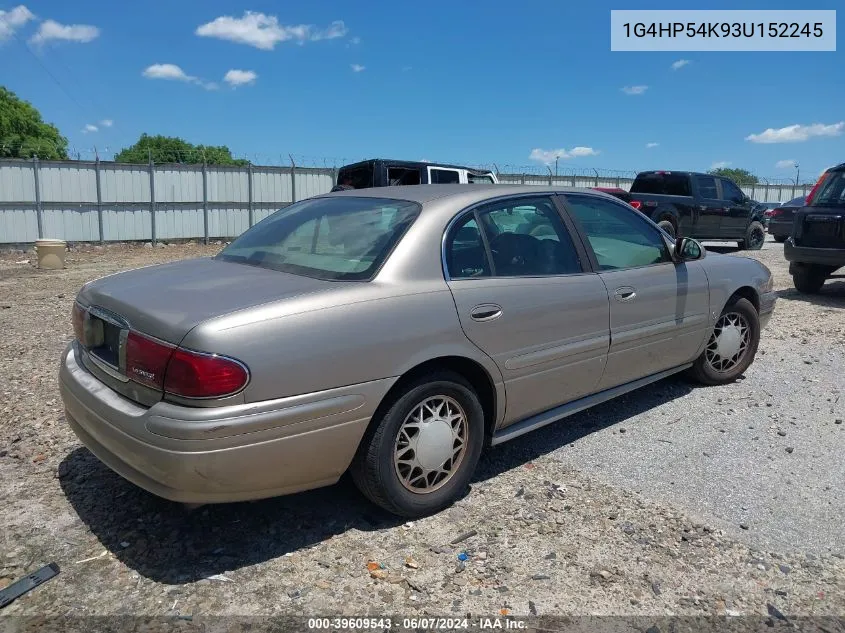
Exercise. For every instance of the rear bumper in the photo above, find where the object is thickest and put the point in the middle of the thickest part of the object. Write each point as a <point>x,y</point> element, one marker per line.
<point>780,228</point>
<point>834,257</point>
<point>215,455</point>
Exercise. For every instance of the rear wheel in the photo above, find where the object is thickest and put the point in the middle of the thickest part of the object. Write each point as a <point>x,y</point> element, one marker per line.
<point>809,278</point>
<point>667,225</point>
<point>755,237</point>
<point>732,345</point>
<point>421,453</point>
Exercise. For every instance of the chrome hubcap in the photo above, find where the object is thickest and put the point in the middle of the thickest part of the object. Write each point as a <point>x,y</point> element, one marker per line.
<point>431,444</point>
<point>728,343</point>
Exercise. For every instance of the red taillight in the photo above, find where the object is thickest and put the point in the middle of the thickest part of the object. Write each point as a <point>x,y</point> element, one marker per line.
<point>813,191</point>
<point>78,319</point>
<point>636,204</point>
<point>194,375</point>
<point>146,360</point>
<point>776,213</point>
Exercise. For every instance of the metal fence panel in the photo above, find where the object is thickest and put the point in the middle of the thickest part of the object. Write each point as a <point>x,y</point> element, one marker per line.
<point>126,224</point>
<point>17,183</point>
<point>312,183</point>
<point>124,183</point>
<point>18,226</point>
<point>271,185</point>
<point>227,222</point>
<point>227,185</point>
<point>63,182</point>
<point>178,184</point>
<point>182,222</point>
<point>72,223</point>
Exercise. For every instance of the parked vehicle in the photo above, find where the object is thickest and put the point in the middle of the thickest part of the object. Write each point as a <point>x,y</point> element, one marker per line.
<point>780,223</point>
<point>815,249</point>
<point>701,206</point>
<point>381,172</point>
<point>394,332</point>
<point>767,207</point>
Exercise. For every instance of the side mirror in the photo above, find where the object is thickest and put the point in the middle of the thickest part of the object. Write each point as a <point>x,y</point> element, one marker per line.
<point>687,249</point>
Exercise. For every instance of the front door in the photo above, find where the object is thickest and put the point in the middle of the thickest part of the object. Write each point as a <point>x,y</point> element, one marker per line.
<point>658,309</point>
<point>737,210</point>
<point>708,210</point>
<point>524,299</point>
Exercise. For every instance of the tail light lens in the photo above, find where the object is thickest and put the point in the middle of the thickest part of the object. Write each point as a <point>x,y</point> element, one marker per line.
<point>636,204</point>
<point>776,213</point>
<point>146,360</point>
<point>78,319</point>
<point>193,375</point>
<point>815,188</point>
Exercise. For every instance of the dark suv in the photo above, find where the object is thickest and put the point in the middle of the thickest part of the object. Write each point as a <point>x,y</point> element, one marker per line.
<point>816,248</point>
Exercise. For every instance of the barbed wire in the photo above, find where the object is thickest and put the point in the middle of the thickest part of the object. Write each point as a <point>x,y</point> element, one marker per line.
<point>282,159</point>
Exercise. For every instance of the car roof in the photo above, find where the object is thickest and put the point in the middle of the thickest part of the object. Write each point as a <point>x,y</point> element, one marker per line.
<point>469,194</point>
<point>413,163</point>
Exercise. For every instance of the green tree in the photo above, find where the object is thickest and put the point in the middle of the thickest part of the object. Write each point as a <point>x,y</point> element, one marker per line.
<point>23,134</point>
<point>171,149</point>
<point>738,175</point>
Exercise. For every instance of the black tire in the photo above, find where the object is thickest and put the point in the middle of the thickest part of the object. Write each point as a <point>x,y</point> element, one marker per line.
<point>780,239</point>
<point>755,237</point>
<point>704,372</point>
<point>809,278</point>
<point>668,225</point>
<point>373,468</point>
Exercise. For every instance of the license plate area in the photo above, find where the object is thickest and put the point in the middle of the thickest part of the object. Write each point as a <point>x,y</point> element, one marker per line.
<point>105,340</point>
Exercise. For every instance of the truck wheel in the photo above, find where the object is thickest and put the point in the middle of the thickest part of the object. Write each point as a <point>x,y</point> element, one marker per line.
<point>732,345</point>
<point>420,454</point>
<point>667,225</point>
<point>755,237</point>
<point>809,278</point>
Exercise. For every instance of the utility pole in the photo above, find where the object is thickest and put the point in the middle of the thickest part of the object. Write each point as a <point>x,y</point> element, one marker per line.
<point>557,158</point>
<point>797,173</point>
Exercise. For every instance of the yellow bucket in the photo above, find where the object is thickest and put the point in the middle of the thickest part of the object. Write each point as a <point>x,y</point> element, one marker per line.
<point>51,253</point>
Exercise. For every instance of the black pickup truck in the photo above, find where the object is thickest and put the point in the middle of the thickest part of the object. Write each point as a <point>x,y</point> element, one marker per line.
<point>700,206</point>
<point>816,248</point>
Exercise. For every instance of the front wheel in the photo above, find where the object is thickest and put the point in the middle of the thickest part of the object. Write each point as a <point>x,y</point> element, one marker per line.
<point>732,345</point>
<point>755,237</point>
<point>421,453</point>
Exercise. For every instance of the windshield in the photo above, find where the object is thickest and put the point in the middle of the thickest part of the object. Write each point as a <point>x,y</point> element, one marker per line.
<point>832,192</point>
<point>338,238</point>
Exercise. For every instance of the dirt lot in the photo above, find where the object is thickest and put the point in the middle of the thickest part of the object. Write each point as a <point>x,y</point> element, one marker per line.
<point>673,500</point>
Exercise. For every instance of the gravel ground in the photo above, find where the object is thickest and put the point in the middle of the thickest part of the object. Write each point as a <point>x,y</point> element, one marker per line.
<point>672,500</point>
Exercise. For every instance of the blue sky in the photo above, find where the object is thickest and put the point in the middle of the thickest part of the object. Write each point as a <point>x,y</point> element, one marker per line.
<point>472,82</point>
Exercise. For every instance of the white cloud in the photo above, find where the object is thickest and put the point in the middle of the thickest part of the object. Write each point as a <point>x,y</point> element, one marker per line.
<point>680,64</point>
<point>12,19</point>
<point>89,128</point>
<point>52,30</point>
<point>548,156</point>
<point>357,68</point>
<point>355,40</point>
<point>166,71</point>
<point>264,31</point>
<point>172,72</point>
<point>240,77</point>
<point>720,164</point>
<point>106,122</point>
<point>650,145</point>
<point>785,164</point>
<point>634,90</point>
<point>796,133</point>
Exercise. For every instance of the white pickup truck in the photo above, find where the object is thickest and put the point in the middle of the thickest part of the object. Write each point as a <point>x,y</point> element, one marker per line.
<point>380,172</point>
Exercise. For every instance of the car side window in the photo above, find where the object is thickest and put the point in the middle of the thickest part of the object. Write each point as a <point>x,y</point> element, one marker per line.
<point>444,176</point>
<point>527,237</point>
<point>620,237</point>
<point>731,192</point>
<point>465,253</point>
<point>707,187</point>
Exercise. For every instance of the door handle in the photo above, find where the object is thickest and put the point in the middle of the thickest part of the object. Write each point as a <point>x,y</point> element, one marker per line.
<point>625,293</point>
<point>486,312</point>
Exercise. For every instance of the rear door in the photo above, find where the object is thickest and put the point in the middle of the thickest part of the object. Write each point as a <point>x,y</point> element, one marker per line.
<point>709,208</point>
<point>524,298</point>
<point>658,309</point>
<point>737,210</point>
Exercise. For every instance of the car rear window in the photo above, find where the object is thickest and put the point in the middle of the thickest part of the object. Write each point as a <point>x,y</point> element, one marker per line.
<point>832,191</point>
<point>336,238</point>
<point>662,184</point>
